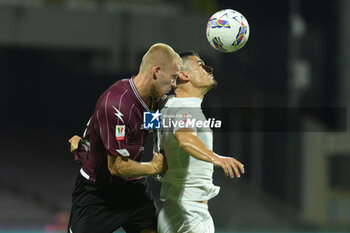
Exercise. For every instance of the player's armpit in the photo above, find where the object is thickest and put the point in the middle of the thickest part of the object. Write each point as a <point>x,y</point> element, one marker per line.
<point>74,143</point>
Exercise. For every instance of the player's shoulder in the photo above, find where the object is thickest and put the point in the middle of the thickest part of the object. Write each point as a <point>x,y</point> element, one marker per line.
<point>172,101</point>
<point>120,86</point>
<point>120,89</point>
<point>184,106</point>
<point>118,92</point>
<point>175,102</point>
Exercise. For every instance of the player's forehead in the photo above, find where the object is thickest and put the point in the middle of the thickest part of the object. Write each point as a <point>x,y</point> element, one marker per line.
<point>195,60</point>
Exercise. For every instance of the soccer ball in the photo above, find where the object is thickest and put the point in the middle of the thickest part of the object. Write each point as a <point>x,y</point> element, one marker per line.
<point>227,31</point>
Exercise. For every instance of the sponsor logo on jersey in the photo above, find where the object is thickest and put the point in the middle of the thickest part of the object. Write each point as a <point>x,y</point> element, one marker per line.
<point>118,114</point>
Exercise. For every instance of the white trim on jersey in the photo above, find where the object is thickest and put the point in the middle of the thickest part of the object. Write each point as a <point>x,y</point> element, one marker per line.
<point>138,95</point>
<point>84,174</point>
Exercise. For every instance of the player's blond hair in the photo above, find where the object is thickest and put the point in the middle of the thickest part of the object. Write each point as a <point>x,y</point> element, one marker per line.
<point>159,54</point>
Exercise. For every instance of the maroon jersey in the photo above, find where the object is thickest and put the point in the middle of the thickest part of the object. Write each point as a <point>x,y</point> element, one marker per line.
<point>114,128</point>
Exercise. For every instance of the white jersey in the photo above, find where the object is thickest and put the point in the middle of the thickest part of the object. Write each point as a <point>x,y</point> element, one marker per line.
<point>187,178</point>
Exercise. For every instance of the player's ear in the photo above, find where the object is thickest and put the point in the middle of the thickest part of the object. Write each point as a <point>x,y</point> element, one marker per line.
<point>156,72</point>
<point>183,76</point>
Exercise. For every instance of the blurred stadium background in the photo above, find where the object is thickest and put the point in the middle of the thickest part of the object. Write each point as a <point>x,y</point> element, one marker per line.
<point>58,56</point>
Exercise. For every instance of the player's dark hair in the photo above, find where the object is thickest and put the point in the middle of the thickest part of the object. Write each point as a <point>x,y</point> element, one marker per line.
<point>187,53</point>
<point>184,55</point>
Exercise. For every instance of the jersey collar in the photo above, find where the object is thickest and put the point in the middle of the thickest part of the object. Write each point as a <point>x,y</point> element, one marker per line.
<point>191,102</point>
<point>138,95</point>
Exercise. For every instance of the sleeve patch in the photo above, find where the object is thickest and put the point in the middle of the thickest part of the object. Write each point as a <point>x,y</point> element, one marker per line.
<point>124,152</point>
<point>120,132</point>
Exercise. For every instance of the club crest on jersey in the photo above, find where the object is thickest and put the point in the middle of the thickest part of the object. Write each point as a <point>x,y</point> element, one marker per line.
<point>120,132</point>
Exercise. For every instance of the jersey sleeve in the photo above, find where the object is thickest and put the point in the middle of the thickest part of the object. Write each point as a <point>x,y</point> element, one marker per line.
<point>115,131</point>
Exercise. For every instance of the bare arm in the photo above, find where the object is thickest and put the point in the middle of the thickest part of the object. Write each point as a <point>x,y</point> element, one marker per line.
<point>190,143</point>
<point>125,167</point>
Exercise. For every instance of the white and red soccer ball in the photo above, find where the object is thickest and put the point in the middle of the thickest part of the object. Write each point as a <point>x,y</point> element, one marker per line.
<point>227,31</point>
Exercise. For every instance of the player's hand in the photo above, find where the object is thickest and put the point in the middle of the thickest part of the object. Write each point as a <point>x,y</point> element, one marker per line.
<point>159,163</point>
<point>74,143</point>
<point>230,166</point>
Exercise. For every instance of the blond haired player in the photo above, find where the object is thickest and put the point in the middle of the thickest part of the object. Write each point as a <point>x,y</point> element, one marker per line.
<point>110,191</point>
<point>187,185</point>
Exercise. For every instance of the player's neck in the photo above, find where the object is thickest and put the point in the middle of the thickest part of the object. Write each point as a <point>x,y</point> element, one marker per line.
<point>190,92</point>
<point>143,88</point>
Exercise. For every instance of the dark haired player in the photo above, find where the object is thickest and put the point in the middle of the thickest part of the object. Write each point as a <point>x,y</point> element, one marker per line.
<point>187,185</point>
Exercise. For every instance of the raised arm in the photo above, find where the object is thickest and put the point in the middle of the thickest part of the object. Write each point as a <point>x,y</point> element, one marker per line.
<point>189,142</point>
